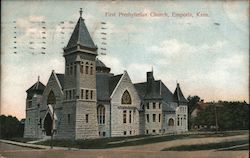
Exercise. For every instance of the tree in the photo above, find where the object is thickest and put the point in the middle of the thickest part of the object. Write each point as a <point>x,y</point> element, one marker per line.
<point>192,103</point>
<point>230,116</point>
<point>10,127</point>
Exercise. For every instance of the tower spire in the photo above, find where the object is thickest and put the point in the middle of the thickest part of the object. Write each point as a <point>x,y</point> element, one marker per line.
<point>80,12</point>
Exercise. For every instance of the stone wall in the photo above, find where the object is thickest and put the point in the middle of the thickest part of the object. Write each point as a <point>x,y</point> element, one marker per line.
<point>153,126</point>
<point>118,128</point>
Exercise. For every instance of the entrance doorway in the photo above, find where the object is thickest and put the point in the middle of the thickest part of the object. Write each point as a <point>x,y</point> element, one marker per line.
<point>48,124</point>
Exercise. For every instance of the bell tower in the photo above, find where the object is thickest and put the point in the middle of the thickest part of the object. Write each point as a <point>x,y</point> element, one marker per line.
<point>79,105</point>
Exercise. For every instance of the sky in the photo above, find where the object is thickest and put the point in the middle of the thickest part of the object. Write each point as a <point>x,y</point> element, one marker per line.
<point>203,45</point>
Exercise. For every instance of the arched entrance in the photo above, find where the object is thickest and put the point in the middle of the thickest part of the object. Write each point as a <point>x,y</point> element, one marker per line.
<point>48,121</point>
<point>48,124</point>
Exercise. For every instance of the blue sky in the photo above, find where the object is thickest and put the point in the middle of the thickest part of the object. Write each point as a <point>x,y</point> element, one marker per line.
<point>207,55</point>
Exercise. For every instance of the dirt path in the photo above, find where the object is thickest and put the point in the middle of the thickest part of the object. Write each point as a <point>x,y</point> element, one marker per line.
<point>191,141</point>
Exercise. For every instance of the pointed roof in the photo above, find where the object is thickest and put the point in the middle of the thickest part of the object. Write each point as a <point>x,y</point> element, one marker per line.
<point>178,95</point>
<point>37,87</point>
<point>101,67</point>
<point>160,91</point>
<point>113,82</point>
<point>81,36</point>
<point>61,79</point>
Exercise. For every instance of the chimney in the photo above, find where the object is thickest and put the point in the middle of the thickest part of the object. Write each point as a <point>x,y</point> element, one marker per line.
<point>150,77</point>
<point>150,81</point>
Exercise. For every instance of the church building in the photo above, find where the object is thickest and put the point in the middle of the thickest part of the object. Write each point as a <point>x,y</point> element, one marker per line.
<point>90,102</point>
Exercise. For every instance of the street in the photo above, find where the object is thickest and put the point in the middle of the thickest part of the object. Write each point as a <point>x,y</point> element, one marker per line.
<point>148,150</point>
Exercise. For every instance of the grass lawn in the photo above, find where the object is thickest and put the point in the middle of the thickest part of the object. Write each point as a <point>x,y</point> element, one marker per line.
<point>244,147</point>
<point>129,141</point>
<point>208,146</point>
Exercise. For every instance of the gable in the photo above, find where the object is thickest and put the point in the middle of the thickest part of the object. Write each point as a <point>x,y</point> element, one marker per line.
<point>125,86</point>
<point>53,84</point>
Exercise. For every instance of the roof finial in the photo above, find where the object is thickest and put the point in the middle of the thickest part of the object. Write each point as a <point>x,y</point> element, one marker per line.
<point>152,68</point>
<point>38,79</point>
<point>80,12</point>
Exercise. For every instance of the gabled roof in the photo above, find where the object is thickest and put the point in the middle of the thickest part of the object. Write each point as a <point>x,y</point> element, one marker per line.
<point>102,86</point>
<point>81,36</point>
<point>159,91</point>
<point>113,82</point>
<point>153,91</point>
<point>178,95</point>
<point>99,63</point>
<point>61,79</point>
<point>141,89</point>
<point>166,93</point>
<point>37,87</point>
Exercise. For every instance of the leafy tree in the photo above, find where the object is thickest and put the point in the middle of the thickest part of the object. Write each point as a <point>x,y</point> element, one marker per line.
<point>230,116</point>
<point>192,102</point>
<point>10,127</point>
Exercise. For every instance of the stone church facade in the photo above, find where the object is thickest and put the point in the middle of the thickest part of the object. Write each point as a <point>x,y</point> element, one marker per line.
<point>90,102</point>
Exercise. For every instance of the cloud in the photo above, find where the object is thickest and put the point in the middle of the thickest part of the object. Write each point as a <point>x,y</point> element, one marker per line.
<point>137,71</point>
<point>113,63</point>
<point>173,47</point>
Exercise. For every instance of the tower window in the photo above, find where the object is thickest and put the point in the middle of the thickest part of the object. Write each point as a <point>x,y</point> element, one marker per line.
<point>81,93</point>
<point>81,68</point>
<point>124,132</point>
<point>91,70</point>
<point>68,118</point>
<point>86,69</point>
<point>70,96</point>
<point>74,93</point>
<point>91,94</point>
<point>147,116</point>
<point>154,106</point>
<point>87,118</point>
<point>154,117</point>
<point>159,117</point>
<point>147,105</point>
<point>87,94</point>
<point>124,116</point>
<point>159,105</point>
<point>66,95</point>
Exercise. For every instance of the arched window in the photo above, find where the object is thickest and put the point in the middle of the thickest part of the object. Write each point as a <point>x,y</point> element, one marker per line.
<point>87,68</point>
<point>101,114</point>
<point>51,98</point>
<point>171,122</point>
<point>126,99</point>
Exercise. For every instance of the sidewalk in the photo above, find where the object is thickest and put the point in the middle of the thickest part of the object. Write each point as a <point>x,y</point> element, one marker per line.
<point>35,146</point>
